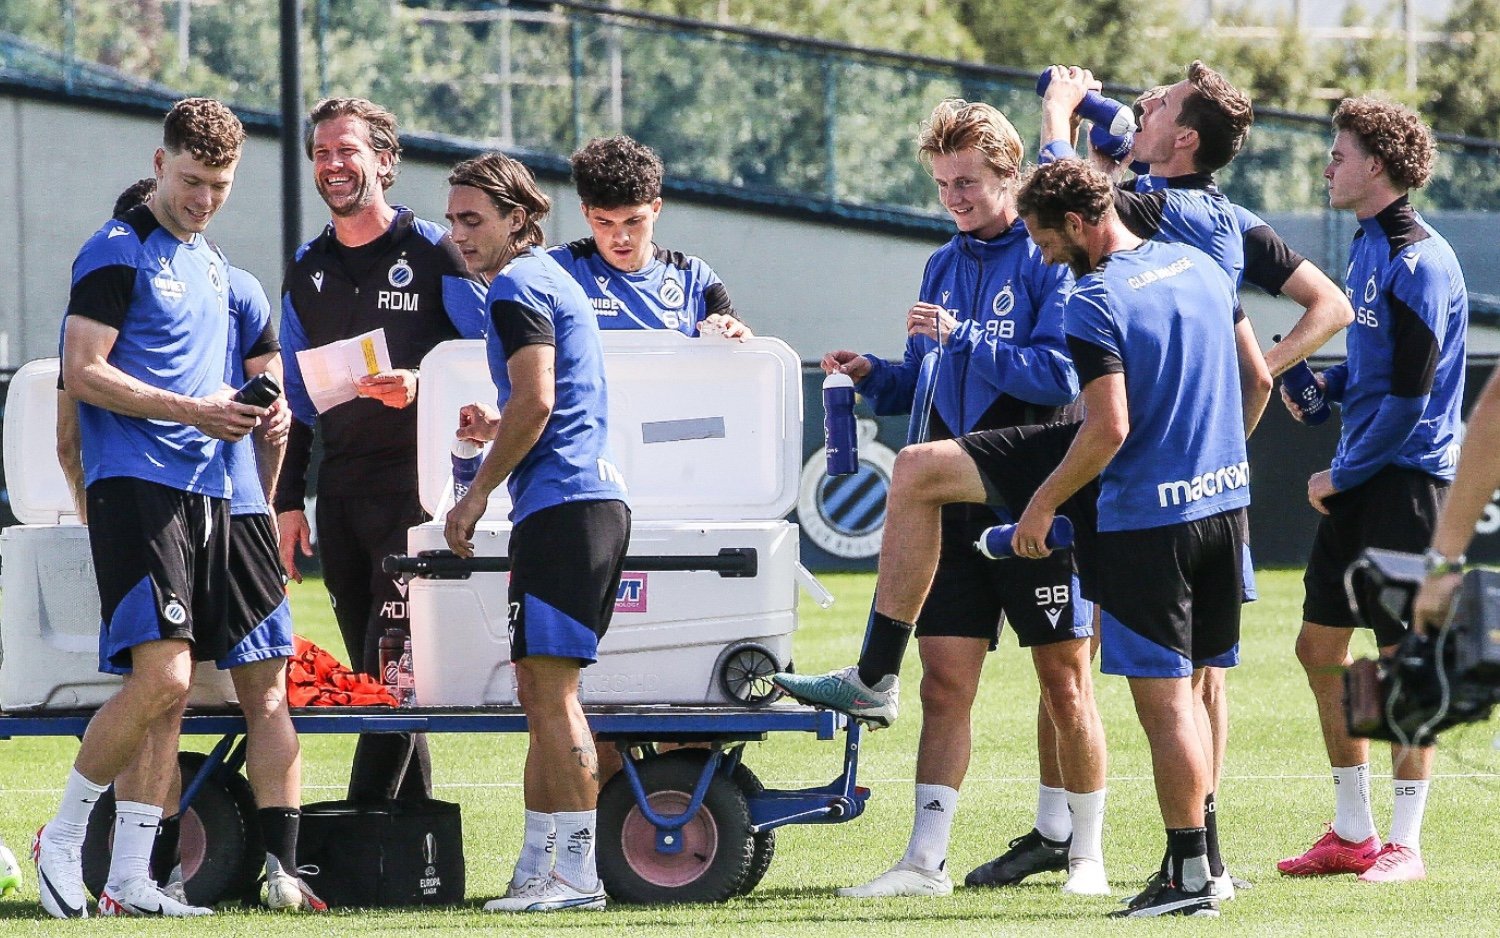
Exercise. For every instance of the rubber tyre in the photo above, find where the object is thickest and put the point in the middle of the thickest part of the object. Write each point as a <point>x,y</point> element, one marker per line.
<point>744,674</point>
<point>214,842</point>
<point>765,841</point>
<point>718,851</point>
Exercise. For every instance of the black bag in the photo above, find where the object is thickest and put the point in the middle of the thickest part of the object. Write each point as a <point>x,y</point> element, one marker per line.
<point>392,854</point>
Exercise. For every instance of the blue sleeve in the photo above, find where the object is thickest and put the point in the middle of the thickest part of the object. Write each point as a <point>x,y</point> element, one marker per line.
<point>248,299</point>
<point>463,300</point>
<point>294,340</point>
<point>1040,372</point>
<point>1376,448</point>
<point>890,387</point>
<point>1335,380</point>
<point>1418,303</point>
<point>1086,317</point>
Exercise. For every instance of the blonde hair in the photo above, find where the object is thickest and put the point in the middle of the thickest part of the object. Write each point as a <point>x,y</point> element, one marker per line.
<point>956,125</point>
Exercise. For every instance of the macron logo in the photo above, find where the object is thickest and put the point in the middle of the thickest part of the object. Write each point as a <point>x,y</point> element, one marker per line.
<point>1410,259</point>
<point>115,233</point>
<point>1207,485</point>
<point>317,280</point>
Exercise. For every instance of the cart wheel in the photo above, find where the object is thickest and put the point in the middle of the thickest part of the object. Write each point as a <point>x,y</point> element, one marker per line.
<point>214,841</point>
<point>765,841</point>
<point>717,847</point>
<point>745,674</point>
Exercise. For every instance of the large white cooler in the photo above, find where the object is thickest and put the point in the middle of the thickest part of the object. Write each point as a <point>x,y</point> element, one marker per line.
<point>708,434</point>
<point>49,625</point>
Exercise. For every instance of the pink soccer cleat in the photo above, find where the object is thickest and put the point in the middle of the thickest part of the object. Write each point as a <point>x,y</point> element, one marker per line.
<point>1331,855</point>
<point>1395,864</point>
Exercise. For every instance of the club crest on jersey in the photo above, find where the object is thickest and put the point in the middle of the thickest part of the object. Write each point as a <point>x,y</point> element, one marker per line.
<point>174,612</point>
<point>400,275</point>
<point>1370,289</point>
<point>216,278</point>
<point>671,294</point>
<point>1004,301</point>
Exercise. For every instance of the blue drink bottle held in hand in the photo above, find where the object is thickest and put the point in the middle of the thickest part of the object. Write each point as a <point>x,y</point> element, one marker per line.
<point>467,455</point>
<point>1104,112</point>
<point>995,543</point>
<point>839,427</point>
<point>1302,385</point>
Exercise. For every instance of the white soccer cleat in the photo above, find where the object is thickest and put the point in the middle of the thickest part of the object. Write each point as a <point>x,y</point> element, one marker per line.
<point>1086,878</point>
<point>141,897</point>
<point>59,877</point>
<point>1223,886</point>
<point>549,893</point>
<point>902,880</point>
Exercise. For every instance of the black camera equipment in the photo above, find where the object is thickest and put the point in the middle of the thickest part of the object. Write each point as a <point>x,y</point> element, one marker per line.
<point>1434,681</point>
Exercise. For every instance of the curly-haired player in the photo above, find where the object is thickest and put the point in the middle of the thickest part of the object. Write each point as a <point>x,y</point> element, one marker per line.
<point>632,283</point>
<point>1401,389</point>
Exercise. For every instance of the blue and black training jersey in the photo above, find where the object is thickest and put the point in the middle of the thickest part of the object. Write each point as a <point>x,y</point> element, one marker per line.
<point>533,301</point>
<point>252,333</point>
<point>1163,315</point>
<point>1402,384</point>
<point>1269,262</point>
<point>168,300</point>
<point>672,291</point>
<point>412,282</point>
<point>1186,209</point>
<point>1006,363</point>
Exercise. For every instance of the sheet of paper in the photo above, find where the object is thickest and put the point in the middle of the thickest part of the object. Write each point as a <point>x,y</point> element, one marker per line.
<point>330,371</point>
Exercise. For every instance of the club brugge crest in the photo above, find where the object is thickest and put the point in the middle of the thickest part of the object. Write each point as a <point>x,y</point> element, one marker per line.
<point>400,275</point>
<point>671,294</point>
<point>845,515</point>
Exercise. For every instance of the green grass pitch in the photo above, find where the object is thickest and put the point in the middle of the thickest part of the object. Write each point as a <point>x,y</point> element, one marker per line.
<point>1274,798</point>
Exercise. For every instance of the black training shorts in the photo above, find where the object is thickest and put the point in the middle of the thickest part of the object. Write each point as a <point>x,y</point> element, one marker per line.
<point>565,565</point>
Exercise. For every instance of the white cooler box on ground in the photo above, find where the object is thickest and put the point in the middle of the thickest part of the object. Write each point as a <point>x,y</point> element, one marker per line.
<point>708,434</point>
<point>49,625</point>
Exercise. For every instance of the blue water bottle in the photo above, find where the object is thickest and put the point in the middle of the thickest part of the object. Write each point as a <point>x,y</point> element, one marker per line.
<point>467,455</point>
<point>1302,385</point>
<point>839,428</point>
<point>995,543</point>
<point>1104,112</point>
<point>1116,147</point>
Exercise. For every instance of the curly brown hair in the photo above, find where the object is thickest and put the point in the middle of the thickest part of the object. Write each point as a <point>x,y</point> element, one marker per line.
<point>206,129</point>
<point>380,126</point>
<point>1052,190</point>
<point>508,184</point>
<point>956,125</point>
<point>1393,134</point>
<point>615,172</point>
<point>1220,113</point>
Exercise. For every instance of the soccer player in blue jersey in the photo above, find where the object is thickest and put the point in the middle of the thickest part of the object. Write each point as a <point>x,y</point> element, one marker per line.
<point>632,283</point>
<point>985,349</point>
<point>376,265</point>
<point>144,351</point>
<point>1401,389</point>
<point>571,522</point>
<point>1161,453</point>
<point>258,603</point>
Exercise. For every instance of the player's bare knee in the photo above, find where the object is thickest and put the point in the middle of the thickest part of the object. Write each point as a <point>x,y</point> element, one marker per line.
<point>945,694</point>
<point>917,470</point>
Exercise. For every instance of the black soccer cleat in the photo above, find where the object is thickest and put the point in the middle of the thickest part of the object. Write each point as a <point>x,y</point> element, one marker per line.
<point>1163,897</point>
<point>1028,854</point>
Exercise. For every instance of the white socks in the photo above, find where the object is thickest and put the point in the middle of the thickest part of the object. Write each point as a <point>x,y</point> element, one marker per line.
<point>1088,825</point>
<point>1053,820</point>
<point>1351,792</point>
<point>928,847</point>
<point>536,849</point>
<point>1406,821</point>
<point>575,848</point>
<point>72,821</point>
<point>135,834</point>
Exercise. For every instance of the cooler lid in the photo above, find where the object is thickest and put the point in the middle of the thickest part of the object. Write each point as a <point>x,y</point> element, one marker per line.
<point>702,428</point>
<point>34,480</point>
